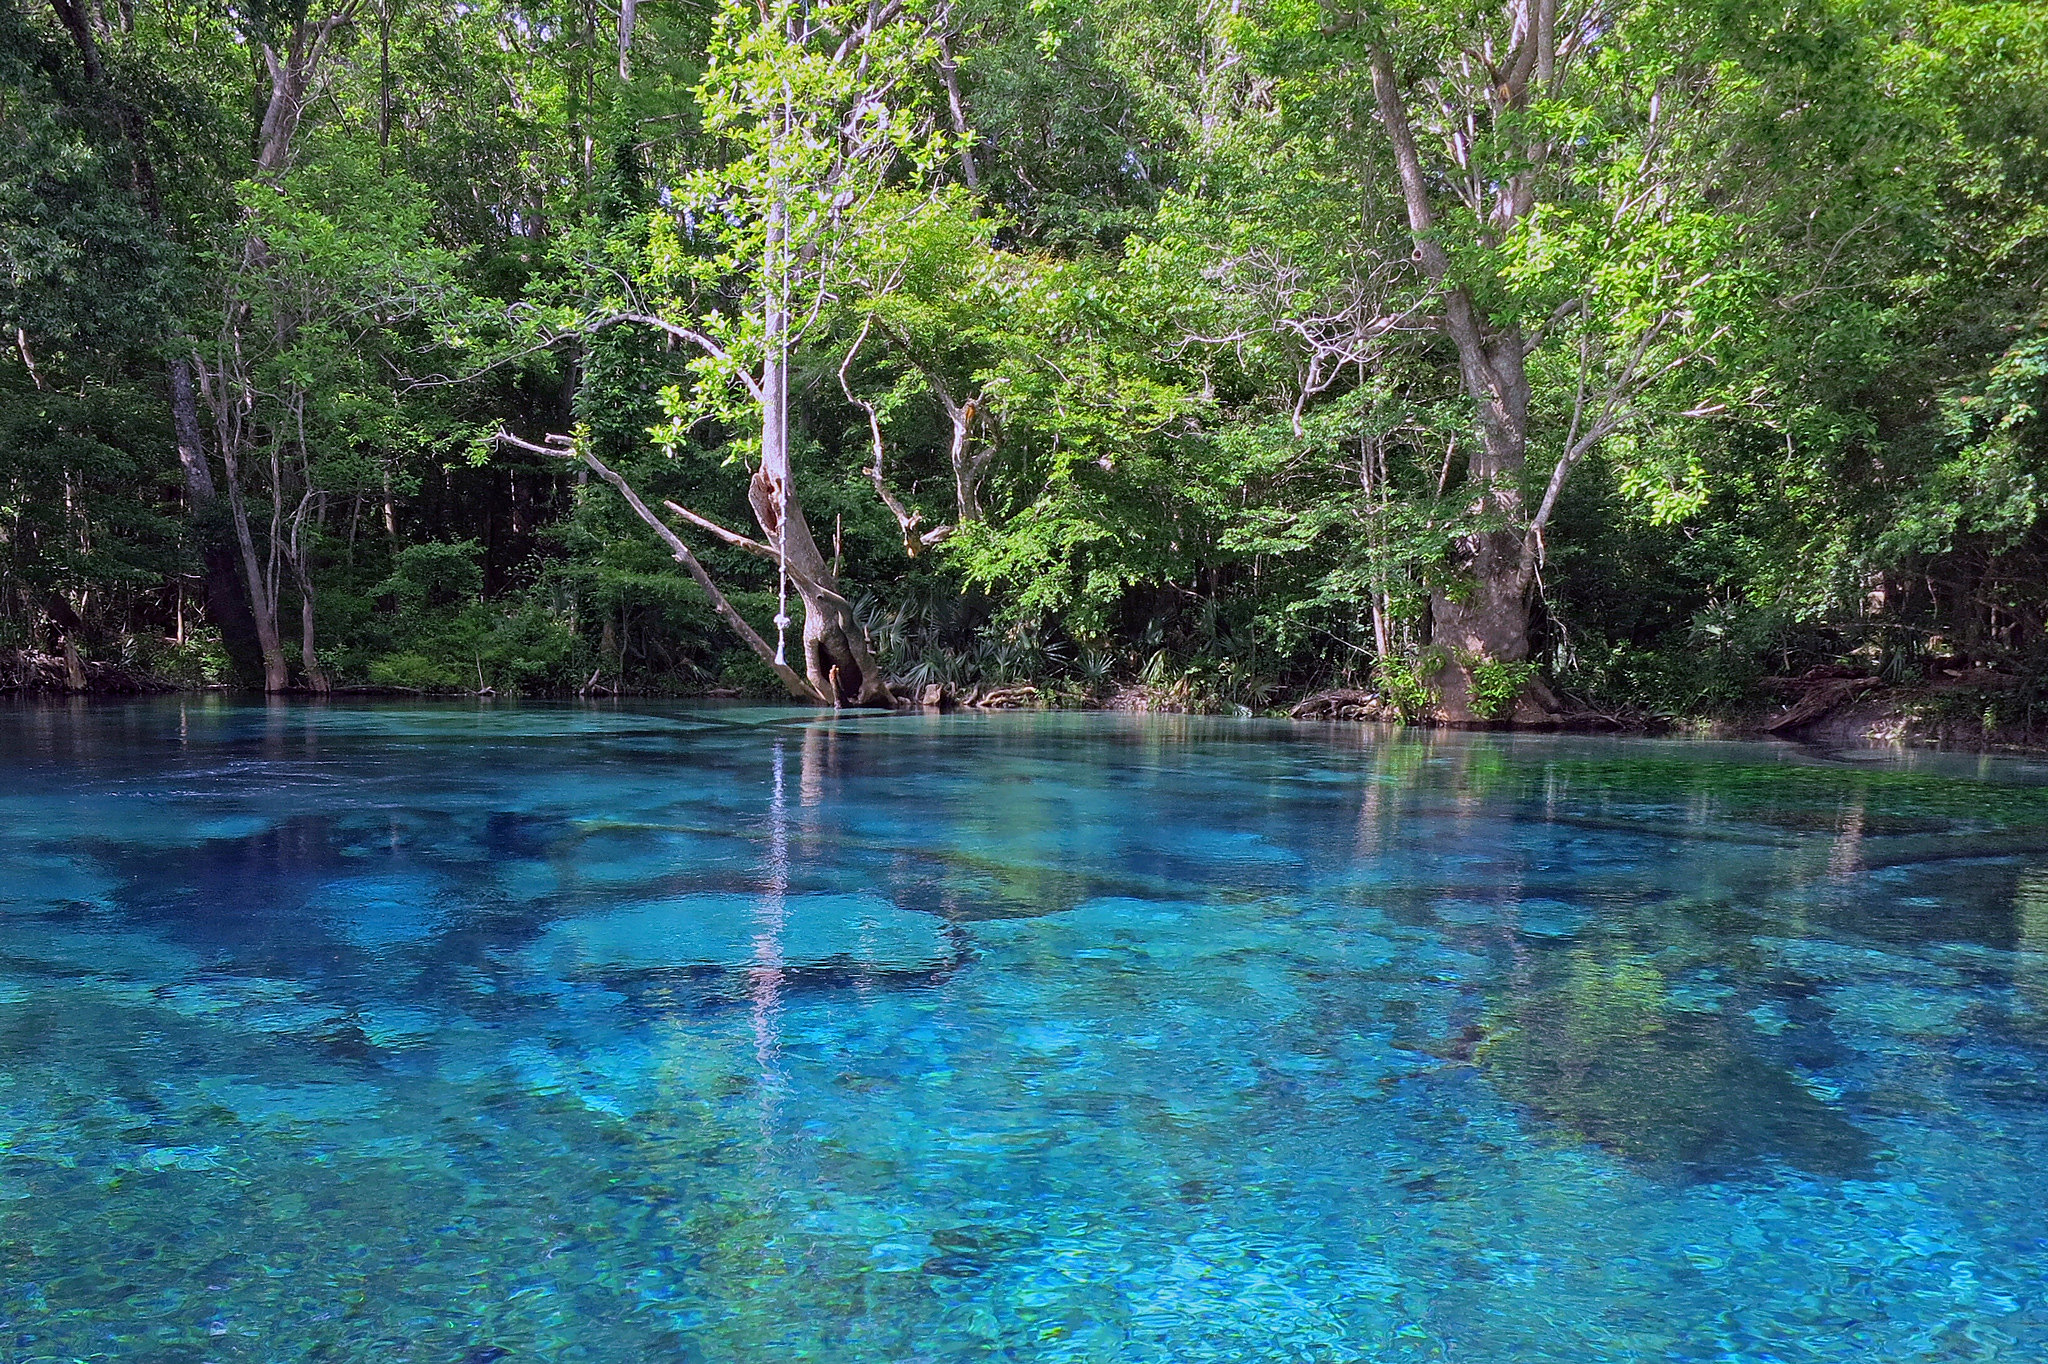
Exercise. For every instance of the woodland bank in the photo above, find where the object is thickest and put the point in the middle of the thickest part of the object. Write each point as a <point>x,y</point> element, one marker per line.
<point>1503,359</point>
<point>1984,713</point>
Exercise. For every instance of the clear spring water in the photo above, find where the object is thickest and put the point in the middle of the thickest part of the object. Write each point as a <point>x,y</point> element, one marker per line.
<point>670,1033</point>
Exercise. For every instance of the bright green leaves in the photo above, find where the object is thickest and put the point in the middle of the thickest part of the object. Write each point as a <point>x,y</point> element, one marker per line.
<point>1102,490</point>
<point>818,111</point>
<point>824,139</point>
<point>344,292</point>
<point>1993,488</point>
<point>81,266</point>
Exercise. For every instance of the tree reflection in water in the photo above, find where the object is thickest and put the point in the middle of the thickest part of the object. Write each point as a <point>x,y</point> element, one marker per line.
<point>1604,1052</point>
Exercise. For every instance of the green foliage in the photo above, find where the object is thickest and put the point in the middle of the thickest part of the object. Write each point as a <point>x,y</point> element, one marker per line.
<point>196,661</point>
<point>414,672</point>
<point>1497,685</point>
<point>434,577</point>
<point>1406,686</point>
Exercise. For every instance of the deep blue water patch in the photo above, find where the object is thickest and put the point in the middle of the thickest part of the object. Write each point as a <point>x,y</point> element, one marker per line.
<point>687,1033</point>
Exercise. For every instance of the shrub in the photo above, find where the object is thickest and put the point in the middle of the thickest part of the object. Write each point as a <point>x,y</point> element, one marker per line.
<point>434,576</point>
<point>414,672</point>
<point>1405,683</point>
<point>198,662</point>
<point>1497,686</point>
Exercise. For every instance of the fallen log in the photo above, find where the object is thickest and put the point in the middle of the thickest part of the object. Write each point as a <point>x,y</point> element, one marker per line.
<point>1343,704</point>
<point>1819,702</point>
<point>1584,720</point>
<point>26,670</point>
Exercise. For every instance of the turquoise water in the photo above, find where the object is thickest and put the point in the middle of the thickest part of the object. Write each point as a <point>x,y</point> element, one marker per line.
<point>660,1033</point>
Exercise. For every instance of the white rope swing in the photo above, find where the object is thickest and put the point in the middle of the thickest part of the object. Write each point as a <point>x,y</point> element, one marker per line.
<point>782,578</point>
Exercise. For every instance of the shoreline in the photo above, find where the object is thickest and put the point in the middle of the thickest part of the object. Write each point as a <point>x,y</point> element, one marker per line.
<point>1946,718</point>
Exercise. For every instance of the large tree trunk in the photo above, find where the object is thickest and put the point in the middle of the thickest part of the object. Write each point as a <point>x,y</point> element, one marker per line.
<point>1485,621</point>
<point>836,661</point>
<point>226,607</point>
<point>1483,618</point>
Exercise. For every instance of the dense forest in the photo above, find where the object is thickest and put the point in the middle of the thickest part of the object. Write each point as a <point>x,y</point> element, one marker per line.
<point>1505,361</point>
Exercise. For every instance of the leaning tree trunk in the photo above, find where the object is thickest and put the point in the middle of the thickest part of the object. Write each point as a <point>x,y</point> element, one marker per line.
<point>262,587</point>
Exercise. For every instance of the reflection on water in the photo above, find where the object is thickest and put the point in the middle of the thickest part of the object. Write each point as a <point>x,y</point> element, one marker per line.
<point>1611,1056</point>
<point>447,1033</point>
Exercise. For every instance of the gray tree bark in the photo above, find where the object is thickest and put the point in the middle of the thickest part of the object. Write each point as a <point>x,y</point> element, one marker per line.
<point>837,666</point>
<point>1484,618</point>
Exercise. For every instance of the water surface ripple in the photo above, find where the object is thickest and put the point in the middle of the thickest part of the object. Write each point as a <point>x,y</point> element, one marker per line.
<point>730,1034</point>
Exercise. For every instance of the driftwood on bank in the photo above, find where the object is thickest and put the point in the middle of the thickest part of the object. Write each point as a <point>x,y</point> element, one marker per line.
<point>1344,704</point>
<point>939,696</point>
<point>26,670</point>
<point>1004,698</point>
<point>1819,698</point>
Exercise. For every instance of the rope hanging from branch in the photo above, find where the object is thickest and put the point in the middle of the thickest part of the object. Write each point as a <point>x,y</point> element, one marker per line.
<point>782,579</point>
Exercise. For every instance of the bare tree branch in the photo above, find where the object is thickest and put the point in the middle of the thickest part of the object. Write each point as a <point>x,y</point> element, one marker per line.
<point>949,72</point>
<point>690,334</point>
<point>565,447</point>
<point>758,550</point>
<point>906,520</point>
